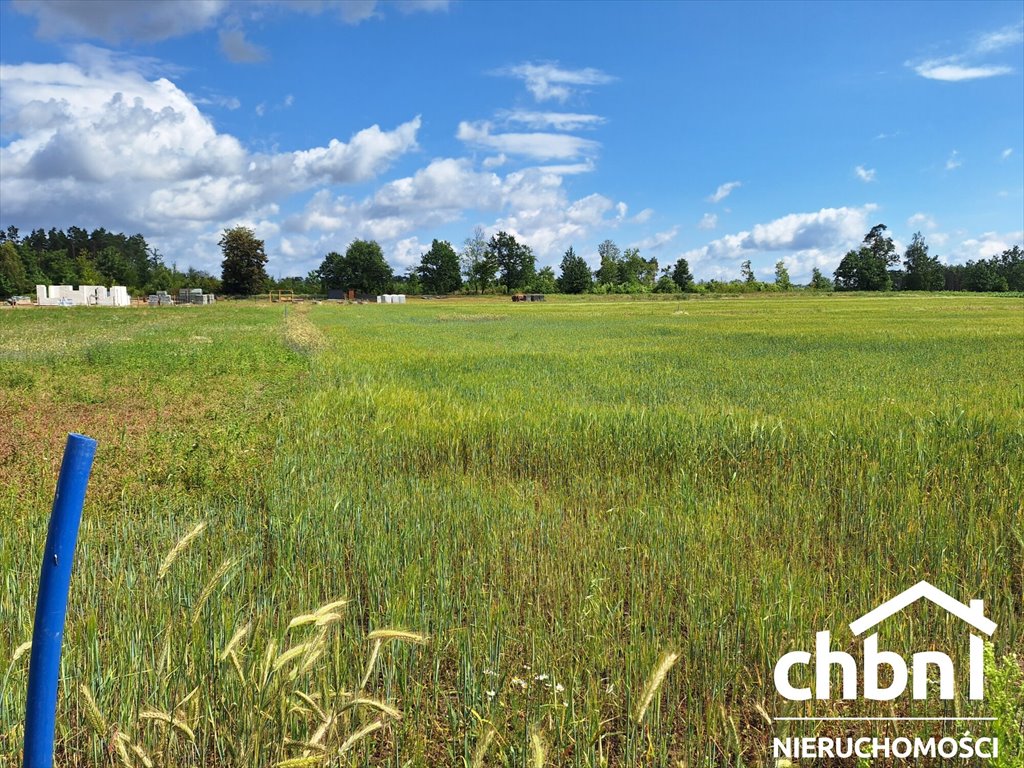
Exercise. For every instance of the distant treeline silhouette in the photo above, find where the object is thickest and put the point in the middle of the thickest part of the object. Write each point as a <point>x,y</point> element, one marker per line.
<point>496,265</point>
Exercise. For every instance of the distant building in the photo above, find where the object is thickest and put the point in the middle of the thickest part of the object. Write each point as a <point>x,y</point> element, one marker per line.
<point>83,296</point>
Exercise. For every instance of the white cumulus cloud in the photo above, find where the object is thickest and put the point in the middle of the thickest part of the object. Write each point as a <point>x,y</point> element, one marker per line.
<point>806,239</point>
<point>984,246</point>
<point>109,147</point>
<point>532,204</point>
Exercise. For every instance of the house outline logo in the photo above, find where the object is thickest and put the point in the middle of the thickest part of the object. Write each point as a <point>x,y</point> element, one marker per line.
<point>924,670</point>
<point>973,614</point>
<point>861,676</point>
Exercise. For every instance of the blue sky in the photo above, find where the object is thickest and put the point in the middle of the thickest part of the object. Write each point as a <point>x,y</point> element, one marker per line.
<point>716,132</point>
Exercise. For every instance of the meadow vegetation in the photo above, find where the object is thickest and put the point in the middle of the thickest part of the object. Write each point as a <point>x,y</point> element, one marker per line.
<point>469,532</point>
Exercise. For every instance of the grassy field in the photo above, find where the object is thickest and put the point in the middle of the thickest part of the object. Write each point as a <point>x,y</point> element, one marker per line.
<point>555,496</point>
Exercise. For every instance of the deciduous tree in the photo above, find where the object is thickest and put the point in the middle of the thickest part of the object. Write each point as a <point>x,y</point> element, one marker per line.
<point>439,269</point>
<point>1011,267</point>
<point>867,269</point>
<point>478,265</point>
<point>983,275</point>
<point>666,284</point>
<point>637,271</point>
<point>362,269</point>
<point>243,269</point>
<point>608,273</point>
<point>515,261</point>
<point>544,281</point>
<point>819,282</point>
<point>12,271</point>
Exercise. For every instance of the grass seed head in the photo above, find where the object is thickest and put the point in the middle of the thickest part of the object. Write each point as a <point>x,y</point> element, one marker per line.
<point>537,749</point>
<point>92,713</point>
<point>302,620</point>
<point>235,640</point>
<point>362,733</point>
<point>211,585</point>
<point>654,683</point>
<point>384,635</point>
<point>176,724</point>
<point>306,761</point>
<point>484,744</point>
<point>20,650</point>
<point>178,548</point>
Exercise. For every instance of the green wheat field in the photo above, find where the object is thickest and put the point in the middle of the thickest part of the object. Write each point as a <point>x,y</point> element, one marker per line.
<point>476,533</point>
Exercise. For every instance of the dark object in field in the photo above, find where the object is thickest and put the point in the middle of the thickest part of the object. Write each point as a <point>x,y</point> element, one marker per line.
<point>527,297</point>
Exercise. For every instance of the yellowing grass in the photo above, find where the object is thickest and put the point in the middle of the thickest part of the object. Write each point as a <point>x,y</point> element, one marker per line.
<point>609,518</point>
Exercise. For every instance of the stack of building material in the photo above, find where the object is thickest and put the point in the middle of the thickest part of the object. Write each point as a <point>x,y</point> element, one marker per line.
<point>194,296</point>
<point>84,295</point>
<point>160,299</point>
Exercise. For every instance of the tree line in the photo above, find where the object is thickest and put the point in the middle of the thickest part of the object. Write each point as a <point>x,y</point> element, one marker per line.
<point>875,267</point>
<point>502,264</point>
<point>499,264</point>
<point>79,257</point>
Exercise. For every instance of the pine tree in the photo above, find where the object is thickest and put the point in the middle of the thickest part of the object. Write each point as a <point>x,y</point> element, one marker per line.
<point>575,274</point>
<point>681,274</point>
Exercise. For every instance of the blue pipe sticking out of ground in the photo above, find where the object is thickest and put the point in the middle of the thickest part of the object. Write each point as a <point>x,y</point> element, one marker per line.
<point>52,603</point>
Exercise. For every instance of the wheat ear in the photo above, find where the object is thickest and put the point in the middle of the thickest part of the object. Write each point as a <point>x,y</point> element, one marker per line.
<point>178,548</point>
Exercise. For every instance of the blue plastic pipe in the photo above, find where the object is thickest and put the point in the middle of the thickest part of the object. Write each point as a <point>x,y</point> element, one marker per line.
<point>52,603</point>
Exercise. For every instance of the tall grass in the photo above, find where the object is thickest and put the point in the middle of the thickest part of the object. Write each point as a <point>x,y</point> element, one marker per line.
<point>610,519</point>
